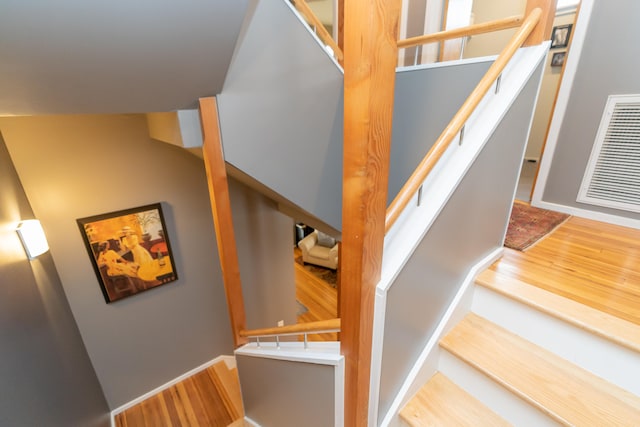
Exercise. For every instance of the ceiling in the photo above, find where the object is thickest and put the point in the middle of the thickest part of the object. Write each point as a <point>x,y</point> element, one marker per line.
<point>113,56</point>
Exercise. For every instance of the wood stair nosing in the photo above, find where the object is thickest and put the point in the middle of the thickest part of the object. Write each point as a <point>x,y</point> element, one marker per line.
<point>228,386</point>
<point>567,393</point>
<point>604,325</point>
<point>442,403</point>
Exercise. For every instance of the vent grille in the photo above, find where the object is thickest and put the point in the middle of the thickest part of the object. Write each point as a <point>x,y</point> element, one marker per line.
<point>612,178</point>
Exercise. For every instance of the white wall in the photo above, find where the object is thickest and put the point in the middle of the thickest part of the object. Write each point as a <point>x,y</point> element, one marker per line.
<point>548,90</point>
<point>493,43</point>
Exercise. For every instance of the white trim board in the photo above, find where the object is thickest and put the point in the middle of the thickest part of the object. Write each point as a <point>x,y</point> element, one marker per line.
<point>229,360</point>
<point>564,92</point>
<point>589,214</point>
<point>318,352</point>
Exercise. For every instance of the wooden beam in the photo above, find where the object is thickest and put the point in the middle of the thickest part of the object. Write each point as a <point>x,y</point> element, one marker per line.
<point>370,44</point>
<point>543,31</point>
<point>221,208</point>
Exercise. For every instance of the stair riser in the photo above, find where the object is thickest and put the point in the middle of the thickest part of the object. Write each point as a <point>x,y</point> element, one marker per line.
<point>500,400</point>
<point>602,357</point>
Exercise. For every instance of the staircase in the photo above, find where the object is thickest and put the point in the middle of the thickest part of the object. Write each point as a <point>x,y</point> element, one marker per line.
<point>526,357</point>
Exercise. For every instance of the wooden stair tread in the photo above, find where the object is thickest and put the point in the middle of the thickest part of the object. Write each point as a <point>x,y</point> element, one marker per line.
<point>566,392</point>
<point>228,385</point>
<point>442,403</point>
<point>609,327</point>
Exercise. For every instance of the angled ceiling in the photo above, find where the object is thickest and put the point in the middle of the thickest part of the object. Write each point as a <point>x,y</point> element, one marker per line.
<point>113,56</point>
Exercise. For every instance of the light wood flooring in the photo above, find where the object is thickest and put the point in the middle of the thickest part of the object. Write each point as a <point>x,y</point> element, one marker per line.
<point>590,262</point>
<point>318,296</point>
<point>209,398</point>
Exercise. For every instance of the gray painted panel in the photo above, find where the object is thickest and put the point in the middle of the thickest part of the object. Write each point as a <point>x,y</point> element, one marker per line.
<point>280,393</point>
<point>114,56</point>
<point>47,377</point>
<point>76,166</point>
<point>605,68</point>
<point>421,113</point>
<point>281,112</point>
<point>470,226</point>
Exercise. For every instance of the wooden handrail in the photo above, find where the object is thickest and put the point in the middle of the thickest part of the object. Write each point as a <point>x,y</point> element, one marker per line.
<point>446,137</point>
<point>471,30</point>
<point>332,325</point>
<point>322,32</point>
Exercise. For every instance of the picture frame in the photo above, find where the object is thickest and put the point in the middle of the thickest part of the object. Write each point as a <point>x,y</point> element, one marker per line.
<point>560,36</point>
<point>557,60</point>
<point>129,250</point>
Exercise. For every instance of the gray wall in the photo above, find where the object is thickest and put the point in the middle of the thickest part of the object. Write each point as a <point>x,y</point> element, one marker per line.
<point>608,65</point>
<point>470,226</point>
<point>278,393</point>
<point>281,112</point>
<point>420,115</point>
<point>47,377</point>
<point>77,166</point>
<point>265,249</point>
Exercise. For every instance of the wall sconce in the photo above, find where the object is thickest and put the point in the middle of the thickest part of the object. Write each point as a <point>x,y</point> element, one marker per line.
<point>32,237</point>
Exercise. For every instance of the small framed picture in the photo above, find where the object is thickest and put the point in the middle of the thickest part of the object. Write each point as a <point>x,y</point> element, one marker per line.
<point>129,250</point>
<point>557,60</point>
<point>560,36</point>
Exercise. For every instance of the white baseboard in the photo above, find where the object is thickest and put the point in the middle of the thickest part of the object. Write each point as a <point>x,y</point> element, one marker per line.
<point>585,213</point>
<point>230,361</point>
<point>427,362</point>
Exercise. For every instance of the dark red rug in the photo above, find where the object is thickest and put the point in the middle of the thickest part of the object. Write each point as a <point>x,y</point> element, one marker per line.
<point>528,225</point>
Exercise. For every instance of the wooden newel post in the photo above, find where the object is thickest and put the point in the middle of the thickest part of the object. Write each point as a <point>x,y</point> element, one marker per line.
<point>370,59</point>
<point>542,31</point>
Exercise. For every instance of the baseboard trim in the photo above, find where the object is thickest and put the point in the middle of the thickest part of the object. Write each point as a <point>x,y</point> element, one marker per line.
<point>585,213</point>
<point>426,364</point>
<point>251,422</point>
<point>229,360</point>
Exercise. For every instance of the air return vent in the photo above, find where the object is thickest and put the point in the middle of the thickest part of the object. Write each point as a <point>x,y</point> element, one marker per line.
<point>612,178</point>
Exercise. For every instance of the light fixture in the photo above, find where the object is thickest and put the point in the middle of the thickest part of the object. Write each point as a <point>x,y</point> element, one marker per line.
<point>32,237</point>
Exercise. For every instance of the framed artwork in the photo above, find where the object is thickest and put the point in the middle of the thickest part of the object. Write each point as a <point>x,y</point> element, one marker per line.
<point>557,60</point>
<point>560,36</point>
<point>129,250</point>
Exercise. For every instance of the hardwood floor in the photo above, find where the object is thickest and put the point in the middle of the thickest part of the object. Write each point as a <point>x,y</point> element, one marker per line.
<point>318,296</point>
<point>594,263</point>
<point>209,398</point>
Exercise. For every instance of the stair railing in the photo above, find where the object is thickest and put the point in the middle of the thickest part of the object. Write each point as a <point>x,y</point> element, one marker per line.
<point>318,27</point>
<point>320,327</point>
<point>456,124</point>
<point>471,30</point>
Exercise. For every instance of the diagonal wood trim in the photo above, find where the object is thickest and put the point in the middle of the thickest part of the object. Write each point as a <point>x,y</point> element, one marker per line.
<point>471,30</point>
<point>447,136</point>
<point>370,46</point>
<point>223,221</point>
<point>332,325</point>
<point>322,32</point>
